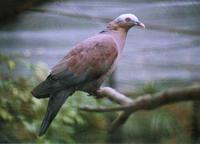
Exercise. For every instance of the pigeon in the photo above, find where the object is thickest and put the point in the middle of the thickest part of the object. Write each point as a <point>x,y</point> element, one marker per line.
<point>85,66</point>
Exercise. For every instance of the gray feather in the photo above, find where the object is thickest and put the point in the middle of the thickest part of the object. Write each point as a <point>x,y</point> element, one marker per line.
<point>55,103</point>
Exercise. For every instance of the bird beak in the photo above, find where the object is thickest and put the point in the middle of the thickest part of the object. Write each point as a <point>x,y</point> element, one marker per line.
<point>140,24</point>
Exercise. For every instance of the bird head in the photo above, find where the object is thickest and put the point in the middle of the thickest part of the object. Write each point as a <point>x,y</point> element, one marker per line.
<point>127,21</point>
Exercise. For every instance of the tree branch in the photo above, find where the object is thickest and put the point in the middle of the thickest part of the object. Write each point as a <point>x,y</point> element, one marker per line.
<point>145,102</point>
<point>114,96</point>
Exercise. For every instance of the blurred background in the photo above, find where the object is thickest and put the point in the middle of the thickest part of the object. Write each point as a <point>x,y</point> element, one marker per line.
<point>36,34</point>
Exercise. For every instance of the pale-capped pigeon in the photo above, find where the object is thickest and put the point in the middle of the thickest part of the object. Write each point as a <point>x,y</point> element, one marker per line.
<point>85,67</point>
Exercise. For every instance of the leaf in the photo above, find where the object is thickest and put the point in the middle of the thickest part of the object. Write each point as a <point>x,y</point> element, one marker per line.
<point>11,64</point>
<point>5,115</point>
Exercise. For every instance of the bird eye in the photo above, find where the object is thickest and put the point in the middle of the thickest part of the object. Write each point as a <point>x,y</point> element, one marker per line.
<point>128,19</point>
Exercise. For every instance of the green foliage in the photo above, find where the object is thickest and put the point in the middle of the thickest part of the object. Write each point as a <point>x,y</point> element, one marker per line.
<point>159,126</point>
<point>21,114</point>
<point>149,88</point>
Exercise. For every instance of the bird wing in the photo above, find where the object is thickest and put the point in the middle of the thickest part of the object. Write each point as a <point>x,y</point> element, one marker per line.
<point>88,60</point>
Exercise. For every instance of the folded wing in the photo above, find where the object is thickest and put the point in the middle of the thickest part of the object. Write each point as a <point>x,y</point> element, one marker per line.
<point>86,62</point>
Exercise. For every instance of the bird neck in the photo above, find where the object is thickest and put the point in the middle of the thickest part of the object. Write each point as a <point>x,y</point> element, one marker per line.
<point>116,27</point>
<point>119,34</point>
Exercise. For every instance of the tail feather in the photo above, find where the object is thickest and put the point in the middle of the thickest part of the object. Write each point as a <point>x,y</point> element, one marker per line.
<point>55,103</point>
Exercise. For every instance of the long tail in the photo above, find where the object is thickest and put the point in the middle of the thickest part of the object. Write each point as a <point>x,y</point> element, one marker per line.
<point>55,103</point>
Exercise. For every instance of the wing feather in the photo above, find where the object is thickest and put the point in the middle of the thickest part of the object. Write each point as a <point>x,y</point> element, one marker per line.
<point>88,60</point>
